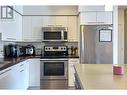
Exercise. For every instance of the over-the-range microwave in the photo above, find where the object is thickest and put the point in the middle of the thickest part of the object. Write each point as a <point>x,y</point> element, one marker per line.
<point>54,34</point>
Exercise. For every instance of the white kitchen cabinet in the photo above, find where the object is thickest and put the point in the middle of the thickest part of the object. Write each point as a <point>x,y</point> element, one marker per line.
<point>72,28</point>
<point>61,21</point>
<point>49,20</point>
<point>88,18</point>
<point>95,18</point>
<point>104,17</point>
<point>34,72</point>
<point>71,77</point>
<point>37,23</point>
<point>32,26</point>
<point>6,78</point>
<point>20,75</point>
<point>27,28</point>
<point>11,28</point>
<point>92,8</point>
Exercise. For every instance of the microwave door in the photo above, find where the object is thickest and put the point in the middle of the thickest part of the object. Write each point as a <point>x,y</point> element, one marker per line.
<point>52,36</point>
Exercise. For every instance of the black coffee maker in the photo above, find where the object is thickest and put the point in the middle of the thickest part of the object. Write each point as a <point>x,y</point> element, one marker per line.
<point>10,51</point>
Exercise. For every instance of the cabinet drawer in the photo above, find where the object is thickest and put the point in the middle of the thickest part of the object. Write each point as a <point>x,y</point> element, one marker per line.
<point>73,60</point>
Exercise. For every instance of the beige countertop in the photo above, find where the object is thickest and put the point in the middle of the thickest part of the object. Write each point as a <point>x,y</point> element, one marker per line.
<point>100,76</point>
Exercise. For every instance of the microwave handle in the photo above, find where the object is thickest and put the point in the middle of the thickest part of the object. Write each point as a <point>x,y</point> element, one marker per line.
<point>62,34</point>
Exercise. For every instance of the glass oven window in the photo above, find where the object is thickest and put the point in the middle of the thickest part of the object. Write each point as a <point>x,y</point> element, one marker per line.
<point>53,68</point>
<point>52,35</point>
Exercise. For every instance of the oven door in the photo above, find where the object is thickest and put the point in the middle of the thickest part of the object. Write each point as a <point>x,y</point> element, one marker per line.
<point>54,69</point>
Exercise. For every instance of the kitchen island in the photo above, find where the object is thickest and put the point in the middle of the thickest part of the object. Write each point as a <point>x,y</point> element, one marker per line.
<point>100,76</point>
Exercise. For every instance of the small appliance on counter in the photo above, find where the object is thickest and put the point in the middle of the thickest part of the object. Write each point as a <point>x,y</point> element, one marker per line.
<point>29,50</point>
<point>13,51</point>
<point>73,51</point>
<point>38,51</point>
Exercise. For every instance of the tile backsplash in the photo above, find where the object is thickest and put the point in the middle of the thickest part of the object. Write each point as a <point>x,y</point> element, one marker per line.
<point>36,44</point>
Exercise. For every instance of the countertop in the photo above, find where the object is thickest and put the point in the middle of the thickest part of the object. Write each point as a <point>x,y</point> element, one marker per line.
<point>7,62</point>
<point>100,76</point>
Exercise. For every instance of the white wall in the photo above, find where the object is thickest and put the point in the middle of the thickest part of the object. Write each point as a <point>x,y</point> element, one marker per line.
<point>1,49</point>
<point>50,10</point>
<point>118,35</point>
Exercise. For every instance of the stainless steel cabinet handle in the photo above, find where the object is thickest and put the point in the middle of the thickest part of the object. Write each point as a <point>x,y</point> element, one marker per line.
<point>21,70</point>
<point>11,39</point>
<point>100,22</point>
<point>5,71</point>
<point>21,65</point>
<point>92,22</point>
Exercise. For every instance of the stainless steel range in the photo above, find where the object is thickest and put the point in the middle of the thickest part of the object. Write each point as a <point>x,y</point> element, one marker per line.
<point>54,64</point>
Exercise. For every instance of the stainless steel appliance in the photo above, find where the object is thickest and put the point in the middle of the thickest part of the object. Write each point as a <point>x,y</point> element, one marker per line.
<point>20,50</point>
<point>54,68</point>
<point>54,64</point>
<point>29,50</point>
<point>54,33</point>
<point>38,51</point>
<point>12,51</point>
<point>93,51</point>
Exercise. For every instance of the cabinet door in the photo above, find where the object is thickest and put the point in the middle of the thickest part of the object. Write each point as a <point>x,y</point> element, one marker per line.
<point>71,78</point>
<point>34,72</point>
<point>49,20</point>
<point>27,30</point>
<point>88,18</point>
<point>6,79</point>
<point>104,17</point>
<point>72,28</point>
<point>11,28</point>
<point>7,28</point>
<point>37,24</point>
<point>20,76</point>
<point>61,21</point>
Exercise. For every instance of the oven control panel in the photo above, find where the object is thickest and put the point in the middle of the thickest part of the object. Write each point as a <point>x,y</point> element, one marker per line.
<point>55,48</point>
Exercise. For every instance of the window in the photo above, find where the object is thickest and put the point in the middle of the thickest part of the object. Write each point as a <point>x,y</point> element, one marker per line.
<point>6,12</point>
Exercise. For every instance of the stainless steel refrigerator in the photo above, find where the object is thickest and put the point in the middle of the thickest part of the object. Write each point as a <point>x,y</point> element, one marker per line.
<point>93,51</point>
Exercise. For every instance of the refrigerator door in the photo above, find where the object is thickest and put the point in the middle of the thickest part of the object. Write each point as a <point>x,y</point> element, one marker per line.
<point>92,51</point>
<point>87,44</point>
<point>82,56</point>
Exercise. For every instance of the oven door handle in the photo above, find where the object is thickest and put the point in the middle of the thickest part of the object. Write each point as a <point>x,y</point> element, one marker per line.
<point>53,59</point>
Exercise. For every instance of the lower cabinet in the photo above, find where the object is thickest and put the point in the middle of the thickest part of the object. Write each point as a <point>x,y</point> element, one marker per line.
<point>71,77</point>
<point>6,78</point>
<point>34,72</point>
<point>21,76</point>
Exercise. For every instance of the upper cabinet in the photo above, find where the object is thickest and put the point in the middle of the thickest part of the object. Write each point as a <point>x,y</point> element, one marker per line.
<point>32,26</point>
<point>12,28</point>
<point>91,8</point>
<point>73,33</point>
<point>94,15</point>
<point>88,18</point>
<point>104,17</point>
<point>95,18</point>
